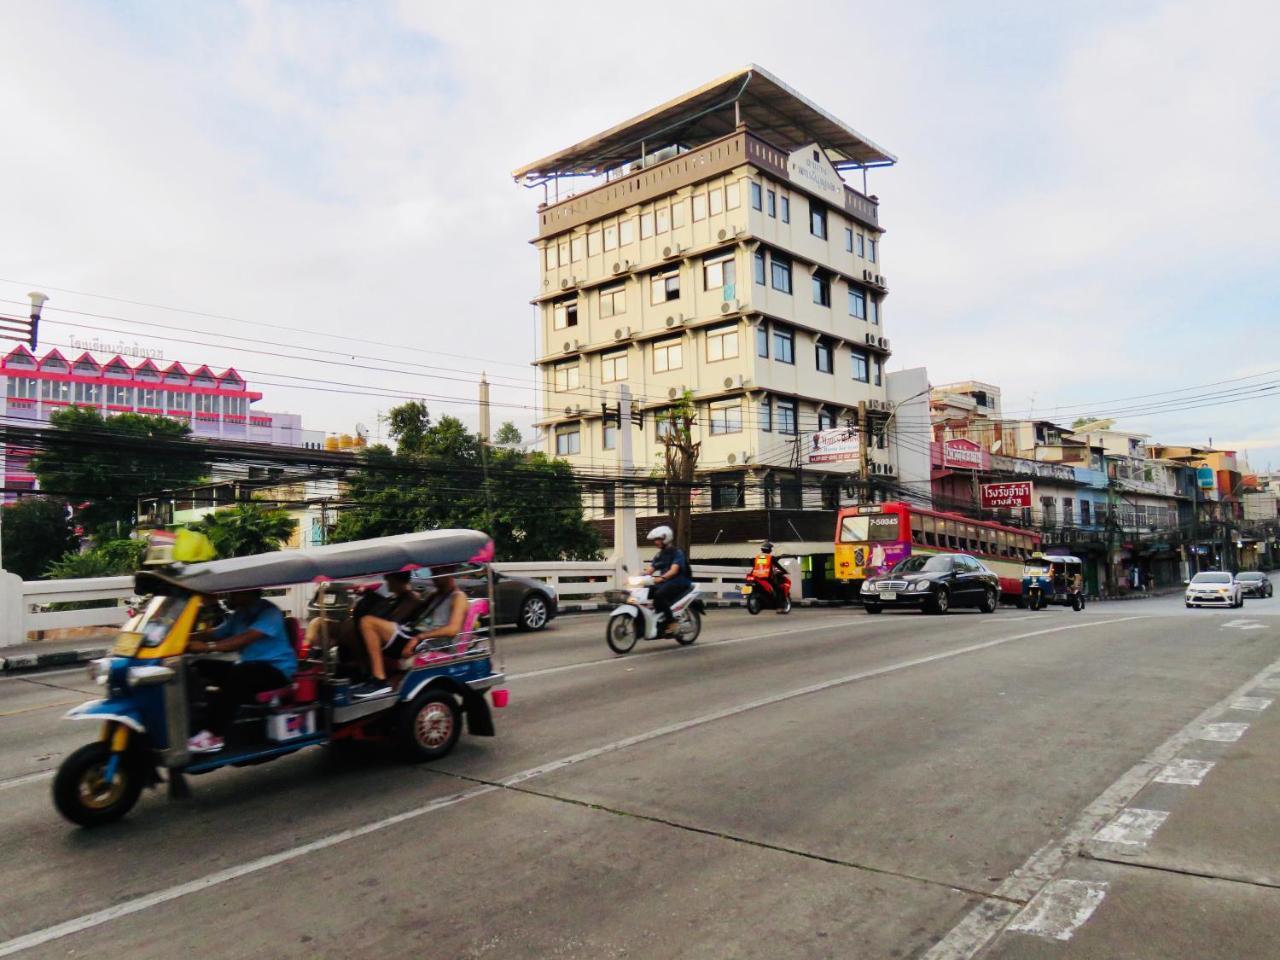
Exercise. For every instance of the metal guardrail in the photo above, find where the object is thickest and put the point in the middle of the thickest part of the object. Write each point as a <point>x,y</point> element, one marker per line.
<point>26,606</point>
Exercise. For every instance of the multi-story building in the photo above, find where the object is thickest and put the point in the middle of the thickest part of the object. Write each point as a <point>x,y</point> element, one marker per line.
<point>215,405</point>
<point>717,252</point>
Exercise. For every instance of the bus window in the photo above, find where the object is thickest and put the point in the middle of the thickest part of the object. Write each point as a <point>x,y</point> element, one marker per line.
<point>930,536</point>
<point>917,529</point>
<point>952,540</point>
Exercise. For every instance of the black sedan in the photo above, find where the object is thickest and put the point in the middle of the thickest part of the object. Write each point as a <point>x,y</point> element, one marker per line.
<point>933,584</point>
<point>1254,583</point>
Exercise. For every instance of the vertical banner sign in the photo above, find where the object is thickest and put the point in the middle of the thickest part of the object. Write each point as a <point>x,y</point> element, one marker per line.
<point>997,495</point>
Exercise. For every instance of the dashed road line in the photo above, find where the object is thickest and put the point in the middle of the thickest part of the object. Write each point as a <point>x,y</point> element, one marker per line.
<point>1060,909</point>
<point>26,778</point>
<point>1223,732</point>
<point>1190,773</point>
<point>1254,704</point>
<point>1132,827</point>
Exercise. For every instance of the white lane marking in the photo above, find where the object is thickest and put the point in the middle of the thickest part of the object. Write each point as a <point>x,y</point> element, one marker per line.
<point>1271,683</point>
<point>1189,773</point>
<point>1132,827</point>
<point>988,918</point>
<point>1256,704</point>
<point>127,907</point>
<point>28,778</point>
<point>1244,625</point>
<point>1223,732</point>
<point>1060,909</point>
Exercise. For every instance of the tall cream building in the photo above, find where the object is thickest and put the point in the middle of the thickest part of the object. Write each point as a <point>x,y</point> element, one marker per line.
<point>716,248</point>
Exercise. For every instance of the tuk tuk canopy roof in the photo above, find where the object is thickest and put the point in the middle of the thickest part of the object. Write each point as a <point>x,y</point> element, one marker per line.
<point>1053,558</point>
<point>339,561</point>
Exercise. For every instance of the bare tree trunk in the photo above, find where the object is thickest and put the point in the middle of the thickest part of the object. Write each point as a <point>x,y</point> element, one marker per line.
<point>680,460</point>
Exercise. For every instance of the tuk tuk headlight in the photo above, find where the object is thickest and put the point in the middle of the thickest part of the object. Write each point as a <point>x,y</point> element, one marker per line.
<point>99,670</point>
<point>145,676</point>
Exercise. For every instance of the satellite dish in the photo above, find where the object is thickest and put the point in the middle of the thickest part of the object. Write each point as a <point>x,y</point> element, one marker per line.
<point>362,430</point>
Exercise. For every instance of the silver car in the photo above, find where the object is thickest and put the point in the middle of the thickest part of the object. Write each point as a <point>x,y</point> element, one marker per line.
<point>1214,588</point>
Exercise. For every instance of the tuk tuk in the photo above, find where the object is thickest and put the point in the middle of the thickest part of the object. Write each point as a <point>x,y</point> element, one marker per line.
<point>145,716</point>
<point>1053,579</point>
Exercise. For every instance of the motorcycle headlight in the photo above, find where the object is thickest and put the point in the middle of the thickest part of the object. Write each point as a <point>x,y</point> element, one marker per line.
<point>920,585</point>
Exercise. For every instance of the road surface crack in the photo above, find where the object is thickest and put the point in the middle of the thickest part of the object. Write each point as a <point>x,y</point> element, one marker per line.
<point>1183,871</point>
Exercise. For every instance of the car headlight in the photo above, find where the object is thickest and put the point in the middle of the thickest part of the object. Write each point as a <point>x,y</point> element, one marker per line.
<point>920,585</point>
<point>868,586</point>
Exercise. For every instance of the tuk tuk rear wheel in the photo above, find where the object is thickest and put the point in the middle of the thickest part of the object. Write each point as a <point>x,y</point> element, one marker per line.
<point>1077,603</point>
<point>82,797</point>
<point>432,724</point>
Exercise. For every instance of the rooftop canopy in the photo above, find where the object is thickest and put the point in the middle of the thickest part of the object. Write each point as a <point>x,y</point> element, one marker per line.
<point>752,96</point>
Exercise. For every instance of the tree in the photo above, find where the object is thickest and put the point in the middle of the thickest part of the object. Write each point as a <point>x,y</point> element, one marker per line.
<point>111,558</point>
<point>508,435</point>
<point>679,462</point>
<point>247,529</point>
<point>530,505</point>
<point>109,462</point>
<point>36,533</point>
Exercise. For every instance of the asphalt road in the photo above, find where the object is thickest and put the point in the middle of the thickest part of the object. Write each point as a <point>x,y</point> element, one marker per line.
<point>826,784</point>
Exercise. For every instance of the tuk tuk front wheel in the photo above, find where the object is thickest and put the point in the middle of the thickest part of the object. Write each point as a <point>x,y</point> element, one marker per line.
<point>80,790</point>
<point>432,724</point>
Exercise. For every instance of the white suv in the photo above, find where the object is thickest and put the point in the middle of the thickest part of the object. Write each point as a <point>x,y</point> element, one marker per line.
<point>1214,589</point>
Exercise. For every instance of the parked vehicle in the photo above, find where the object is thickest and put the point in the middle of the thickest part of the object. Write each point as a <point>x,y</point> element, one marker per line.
<point>635,619</point>
<point>933,584</point>
<point>1214,588</point>
<point>1255,583</point>
<point>1055,579</point>
<point>146,714</point>
<point>765,589</point>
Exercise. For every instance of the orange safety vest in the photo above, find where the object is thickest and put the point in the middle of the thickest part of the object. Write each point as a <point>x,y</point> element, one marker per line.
<point>763,566</point>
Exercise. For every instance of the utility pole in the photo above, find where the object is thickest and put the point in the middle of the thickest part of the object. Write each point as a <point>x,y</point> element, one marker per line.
<point>484,449</point>
<point>485,435</point>
<point>626,553</point>
<point>864,453</point>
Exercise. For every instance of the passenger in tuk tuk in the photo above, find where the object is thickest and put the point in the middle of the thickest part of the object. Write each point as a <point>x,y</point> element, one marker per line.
<point>256,631</point>
<point>437,625</point>
<point>394,600</point>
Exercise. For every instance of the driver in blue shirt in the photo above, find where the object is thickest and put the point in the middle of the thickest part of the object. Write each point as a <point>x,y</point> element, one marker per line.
<point>255,630</point>
<point>672,577</point>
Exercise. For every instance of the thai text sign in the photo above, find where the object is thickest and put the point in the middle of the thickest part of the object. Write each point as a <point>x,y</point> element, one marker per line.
<point>1014,494</point>
<point>833,446</point>
<point>961,453</point>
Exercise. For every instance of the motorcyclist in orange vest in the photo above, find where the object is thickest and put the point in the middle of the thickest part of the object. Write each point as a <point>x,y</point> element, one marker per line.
<point>767,568</point>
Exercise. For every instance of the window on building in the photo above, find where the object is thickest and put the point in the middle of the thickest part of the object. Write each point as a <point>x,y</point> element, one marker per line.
<point>831,493</point>
<point>786,209</point>
<point>762,339</point>
<point>609,437</point>
<point>726,417</point>
<point>566,376</point>
<point>613,367</point>
<point>664,286</point>
<point>646,225</point>
<point>1085,519</point>
<point>821,289</point>
<point>180,400</point>
<point>857,303</point>
<point>848,239</point>
<point>608,499</point>
<point>786,416</point>
<point>791,493</point>
<point>568,439</point>
<point>784,344</point>
<point>826,419</point>
<point>1068,512</point>
<point>818,219</point>
<point>860,365</point>
<point>862,252</point>
<point>205,403</point>
<point>699,207</point>
<point>727,491</point>
<point>564,314</point>
<point>593,243</point>
<point>562,252</point>
<point>766,414</point>
<point>613,300</point>
<point>715,201</point>
<point>875,311</point>
<point>871,249</point>
<point>87,393</point>
<point>236,406</point>
<point>552,261</point>
<point>1049,511</point>
<point>718,272</point>
<point>662,219</point>
<point>879,367</point>
<point>732,196</point>
<point>611,237</point>
<point>823,356</point>
<point>678,208</point>
<point>757,265</point>
<point>626,231</point>
<point>147,397</point>
<point>780,273</point>
<point>578,248</point>
<point>22,388</point>
<point>118,396</point>
<point>757,196</point>
<point>668,355</point>
<point>663,426</point>
<point>722,343</point>
<point>772,204</point>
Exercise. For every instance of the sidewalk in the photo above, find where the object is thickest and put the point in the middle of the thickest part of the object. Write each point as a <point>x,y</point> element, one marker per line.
<point>1190,868</point>
<point>48,654</point>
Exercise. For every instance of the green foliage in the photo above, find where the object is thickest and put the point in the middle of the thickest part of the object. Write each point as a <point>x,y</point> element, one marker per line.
<point>36,533</point>
<point>509,434</point>
<point>111,558</point>
<point>532,505</point>
<point>247,529</point>
<point>109,462</point>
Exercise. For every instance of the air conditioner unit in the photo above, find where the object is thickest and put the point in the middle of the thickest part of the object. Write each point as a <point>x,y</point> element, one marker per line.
<point>867,275</point>
<point>728,383</point>
<point>672,251</point>
<point>566,283</point>
<point>568,346</point>
<point>871,338</point>
<point>675,320</point>
<point>723,235</point>
<point>673,392</point>
<point>731,306</point>
<point>622,266</point>
<point>887,470</point>
<point>884,342</point>
<point>880,279</point>
<point>731,458</point>
<point>622,333</point>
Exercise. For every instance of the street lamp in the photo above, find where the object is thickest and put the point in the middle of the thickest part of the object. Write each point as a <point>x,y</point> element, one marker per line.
<point>37,305</point>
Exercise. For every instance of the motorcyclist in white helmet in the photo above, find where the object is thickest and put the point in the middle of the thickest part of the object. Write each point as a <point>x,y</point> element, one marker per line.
<point>670,571</point>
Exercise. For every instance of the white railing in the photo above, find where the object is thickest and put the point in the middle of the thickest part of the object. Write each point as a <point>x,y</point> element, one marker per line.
<point>25,605</point>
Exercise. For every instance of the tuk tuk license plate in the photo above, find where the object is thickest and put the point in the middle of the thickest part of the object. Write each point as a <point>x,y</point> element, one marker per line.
<point>126,644</point>
<point>745,591</point>
<point>890,595</point>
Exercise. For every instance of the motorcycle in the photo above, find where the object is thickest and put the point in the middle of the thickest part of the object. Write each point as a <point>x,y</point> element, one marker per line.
<point>635,618</point>
<point>761,590</point>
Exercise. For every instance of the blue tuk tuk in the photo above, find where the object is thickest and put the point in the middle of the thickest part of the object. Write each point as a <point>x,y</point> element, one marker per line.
<point>1054,578</point>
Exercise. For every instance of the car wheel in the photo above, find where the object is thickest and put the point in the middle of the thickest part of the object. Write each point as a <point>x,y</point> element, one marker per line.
<point>989,601</point>
<point>940,603</point>
<point>534,612</point>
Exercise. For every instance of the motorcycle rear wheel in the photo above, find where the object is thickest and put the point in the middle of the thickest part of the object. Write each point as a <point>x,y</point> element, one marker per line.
<point>753,603</point>
<point>688,627</point>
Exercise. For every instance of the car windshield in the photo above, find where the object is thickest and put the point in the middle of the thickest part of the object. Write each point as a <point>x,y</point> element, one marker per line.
<point>1212,578</point>
<point>1249,576</point>
<point>919,564</point>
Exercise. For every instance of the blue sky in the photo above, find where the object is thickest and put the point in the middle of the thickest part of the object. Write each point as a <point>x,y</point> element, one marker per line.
<point>1086,206</point>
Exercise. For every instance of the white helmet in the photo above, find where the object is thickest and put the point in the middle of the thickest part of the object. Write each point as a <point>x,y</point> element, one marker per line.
<point>663,533</point>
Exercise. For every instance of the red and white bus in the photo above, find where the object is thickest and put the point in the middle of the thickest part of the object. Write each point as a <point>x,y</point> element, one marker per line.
<point>872,537</point>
